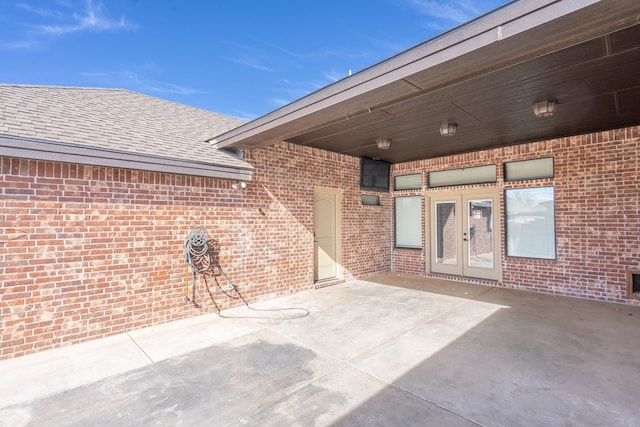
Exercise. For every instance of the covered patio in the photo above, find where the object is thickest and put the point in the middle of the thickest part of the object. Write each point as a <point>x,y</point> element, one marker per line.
<point>389,350</point>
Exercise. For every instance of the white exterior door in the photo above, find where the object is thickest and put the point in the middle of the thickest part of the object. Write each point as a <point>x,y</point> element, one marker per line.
<point>326,231</point>
<point>465,239</point>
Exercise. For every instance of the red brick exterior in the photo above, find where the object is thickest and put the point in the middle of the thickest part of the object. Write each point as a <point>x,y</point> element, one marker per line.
<point>597,208</point>
<point>88,252</point>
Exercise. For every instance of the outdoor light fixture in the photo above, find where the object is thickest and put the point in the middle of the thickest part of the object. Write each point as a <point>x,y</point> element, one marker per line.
<point>238,184</point>
<point>545,108</point>
<point>448,129</point>
<point>383,143</point>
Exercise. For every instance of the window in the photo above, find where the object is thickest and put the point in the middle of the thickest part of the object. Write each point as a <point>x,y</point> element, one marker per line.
<point>475,175</point>
<point>530,222</point>
<point>368,199</point>
<point>408,182</point>
<point>529,169</point>
<point>408,219</point>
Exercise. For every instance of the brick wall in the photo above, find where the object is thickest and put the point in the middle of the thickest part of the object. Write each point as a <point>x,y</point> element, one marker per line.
<point>597,208</point>
<point>289,174</point>
<point>87,252</point>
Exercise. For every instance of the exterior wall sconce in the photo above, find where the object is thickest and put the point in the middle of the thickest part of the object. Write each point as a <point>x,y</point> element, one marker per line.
<point>545,108</point>
<point>238,184</point>
<point>448,129</point>
<point>383,143</point>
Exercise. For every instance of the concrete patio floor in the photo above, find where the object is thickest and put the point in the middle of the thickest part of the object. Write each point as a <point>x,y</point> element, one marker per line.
<point>393,350</point>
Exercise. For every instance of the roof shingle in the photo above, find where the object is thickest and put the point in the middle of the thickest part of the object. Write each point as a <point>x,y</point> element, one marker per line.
<point>117,120</point>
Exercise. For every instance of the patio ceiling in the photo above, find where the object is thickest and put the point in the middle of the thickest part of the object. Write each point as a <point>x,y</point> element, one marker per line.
<point>484,76</point>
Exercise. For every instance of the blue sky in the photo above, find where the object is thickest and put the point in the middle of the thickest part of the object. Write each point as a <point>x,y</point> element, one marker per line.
<point>242,58</point>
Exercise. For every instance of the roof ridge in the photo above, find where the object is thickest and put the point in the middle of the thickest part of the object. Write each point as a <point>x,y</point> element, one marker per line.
<point>27,85</point>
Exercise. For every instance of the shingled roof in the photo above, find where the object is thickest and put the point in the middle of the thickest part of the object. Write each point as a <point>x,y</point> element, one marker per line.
<point>114,127</point>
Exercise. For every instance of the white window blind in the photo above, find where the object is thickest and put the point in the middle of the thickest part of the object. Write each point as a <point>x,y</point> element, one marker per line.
<point>530,226</point>
<point>474,175</point>
<point>408,182</point>
<point>529,169</point>
<point>408,219</point>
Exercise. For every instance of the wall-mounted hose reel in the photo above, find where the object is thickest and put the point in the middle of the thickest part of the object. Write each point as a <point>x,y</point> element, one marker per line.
<point>202,255</point>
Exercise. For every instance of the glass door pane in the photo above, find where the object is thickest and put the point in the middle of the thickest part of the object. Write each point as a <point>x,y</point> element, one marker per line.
<point>446,236</point>
<point>479,233</point>
<point>446,231</point>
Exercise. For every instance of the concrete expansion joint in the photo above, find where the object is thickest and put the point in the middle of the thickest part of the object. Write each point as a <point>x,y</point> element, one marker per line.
<point>418,396</point>
<point>139,347</point>
<point>393,338</point>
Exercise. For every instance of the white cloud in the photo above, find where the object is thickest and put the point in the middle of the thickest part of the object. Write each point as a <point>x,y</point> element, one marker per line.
<point>244,115</point>
<point>249,56</point>
<point>251,62</point>
<point>19,45</point>
<point>457,11</point>
<point>273,58</point>
<point>306,55</point>
<point>63,17</point>
<point>170,88</point>
<point>279,102</point>
<point>44,21</point>
<point>384,46</point>
<point>139,82</point>
<point>40,11</point>
<point>93,16</point>
<point>334,75</point>
<point>111,77</point>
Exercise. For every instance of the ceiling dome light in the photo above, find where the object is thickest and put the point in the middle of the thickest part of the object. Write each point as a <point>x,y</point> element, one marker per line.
<point>545,108</point>
<point>448,129</point>
<point>383,143</point>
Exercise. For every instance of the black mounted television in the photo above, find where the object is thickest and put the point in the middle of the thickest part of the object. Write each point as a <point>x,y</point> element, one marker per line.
<point>374,175</point>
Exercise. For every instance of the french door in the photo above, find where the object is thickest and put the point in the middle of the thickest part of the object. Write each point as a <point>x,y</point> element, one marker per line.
<point>465,234</point>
